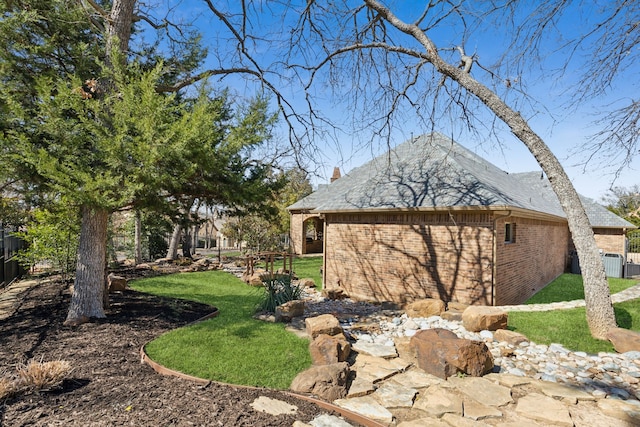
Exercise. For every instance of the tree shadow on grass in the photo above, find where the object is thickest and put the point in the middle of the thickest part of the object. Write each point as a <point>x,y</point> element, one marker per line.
<point>623,317</point>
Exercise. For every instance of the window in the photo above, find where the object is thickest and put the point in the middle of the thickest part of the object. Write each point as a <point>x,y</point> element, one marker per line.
<point>509,233</point>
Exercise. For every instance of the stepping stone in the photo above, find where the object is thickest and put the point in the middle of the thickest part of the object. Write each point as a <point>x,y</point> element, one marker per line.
<point>508,380</point>
<point>392,395</point>
<point>326,420</point>
<point>570,394</point>
<point>544,409</point>
<point>368,407</point>
<point>627,410</point>
<point>374,369</point>
<point>360,387</point>
<point>482,390</point>
<point>377,350</point>
<point>589,414</point>
<point>477,411</point>
<point>417,378</point>
<point>273,406</point>
<point>438,401</point>
<point>458,421</point>
<point>425,422</point>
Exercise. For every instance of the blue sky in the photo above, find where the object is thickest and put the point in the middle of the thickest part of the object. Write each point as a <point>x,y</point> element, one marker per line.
<point>561,128</point>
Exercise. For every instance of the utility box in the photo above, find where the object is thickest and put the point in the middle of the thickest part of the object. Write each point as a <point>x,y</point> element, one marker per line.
<point>613,264</point>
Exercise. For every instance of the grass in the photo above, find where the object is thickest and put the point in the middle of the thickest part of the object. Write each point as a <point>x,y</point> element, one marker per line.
<point>232,347</point>
<point>309,267</point>
<point>569,287</point>
<point>569,327</point>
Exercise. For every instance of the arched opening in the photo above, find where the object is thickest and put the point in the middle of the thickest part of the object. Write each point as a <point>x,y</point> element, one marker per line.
<point>313,232</point>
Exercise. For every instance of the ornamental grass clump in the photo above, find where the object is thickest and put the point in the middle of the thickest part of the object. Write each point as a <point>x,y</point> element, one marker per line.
<point>278,289</point>
<point>43,375</point>
<point>8,387</point>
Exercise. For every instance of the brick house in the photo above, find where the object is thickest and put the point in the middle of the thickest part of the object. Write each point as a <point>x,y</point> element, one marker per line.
<point>432,219</point>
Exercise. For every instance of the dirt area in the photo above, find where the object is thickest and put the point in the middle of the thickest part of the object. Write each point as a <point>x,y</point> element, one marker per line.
<point>109,386</point>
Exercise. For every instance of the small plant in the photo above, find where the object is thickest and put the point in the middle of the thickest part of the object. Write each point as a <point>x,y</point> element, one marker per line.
<point>43,375</point>
<point>278,290</point>
<point>8,387</point>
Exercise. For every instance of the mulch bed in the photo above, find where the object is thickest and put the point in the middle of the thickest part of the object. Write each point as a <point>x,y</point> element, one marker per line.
<point>109,386</point>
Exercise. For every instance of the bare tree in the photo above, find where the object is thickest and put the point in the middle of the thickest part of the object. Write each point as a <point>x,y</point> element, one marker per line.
<point>385,66</point>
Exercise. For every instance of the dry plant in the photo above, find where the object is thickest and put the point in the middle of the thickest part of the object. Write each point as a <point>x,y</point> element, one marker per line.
<point>8,387</point>
<point>43,375</point>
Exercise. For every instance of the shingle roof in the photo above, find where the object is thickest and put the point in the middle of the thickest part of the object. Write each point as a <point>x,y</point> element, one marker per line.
<point>433,171</point>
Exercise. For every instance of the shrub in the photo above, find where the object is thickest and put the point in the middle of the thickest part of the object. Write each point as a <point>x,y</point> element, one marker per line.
<point>8,387</point>
<point>43,375</point>
<point>278,289</point>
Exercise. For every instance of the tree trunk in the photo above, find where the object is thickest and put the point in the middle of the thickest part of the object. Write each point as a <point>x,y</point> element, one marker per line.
<point>186,243</point>
<point>172,253</point>
<point>196,238</point>
<point>600,314</point>
<point>89,286</point>
<point>138,238</point>
<point>119,27</point>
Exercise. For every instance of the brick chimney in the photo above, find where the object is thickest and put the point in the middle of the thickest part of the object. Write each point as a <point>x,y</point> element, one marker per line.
<point>336,174</point>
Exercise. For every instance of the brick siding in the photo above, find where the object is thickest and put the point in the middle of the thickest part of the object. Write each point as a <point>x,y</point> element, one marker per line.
<point>406,256</point>
<point>610,240</point>
<point>539,254</point>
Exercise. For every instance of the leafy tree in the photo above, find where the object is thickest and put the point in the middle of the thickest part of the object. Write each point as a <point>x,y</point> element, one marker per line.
<point>625,202</point>
<point>51,237</point>
<point>297,186</point>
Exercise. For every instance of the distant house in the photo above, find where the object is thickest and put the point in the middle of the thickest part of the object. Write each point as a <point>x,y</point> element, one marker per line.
<point>432,219</point>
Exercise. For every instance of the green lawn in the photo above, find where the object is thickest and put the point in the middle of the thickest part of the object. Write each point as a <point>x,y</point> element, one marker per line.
<point>569,287</point>
<point>309,267</point>
<point>569,327</point>
<point>232,347</point>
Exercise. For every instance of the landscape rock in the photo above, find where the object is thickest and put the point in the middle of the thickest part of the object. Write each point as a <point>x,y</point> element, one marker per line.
<point>328,382</point>
<point>116,283</point>
<point>544,409</point>
<point>624,340</point>
<point>441,353</point>
<point>425,308</point>
<point>368,407</point>
<point>377,350</point>
<point>334,294</point>
<point>253,279</point>
<point>307,283</point>
<point>510,337</point>
<point>479,318</point>
<point>439,401</point>
<point>327,349</point>
<point>290,309</point>
<point>324,324</point>
<point>457,306</point>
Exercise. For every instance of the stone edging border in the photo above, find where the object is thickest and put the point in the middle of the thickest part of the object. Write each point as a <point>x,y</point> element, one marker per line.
<point>349,415</point>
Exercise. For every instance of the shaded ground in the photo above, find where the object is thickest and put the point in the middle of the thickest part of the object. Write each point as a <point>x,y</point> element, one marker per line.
<point>109,386</point>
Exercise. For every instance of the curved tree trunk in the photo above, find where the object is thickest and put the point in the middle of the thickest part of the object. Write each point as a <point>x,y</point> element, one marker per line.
<point>600,314</point>
<point>89,285</point>
<point>172,253</point>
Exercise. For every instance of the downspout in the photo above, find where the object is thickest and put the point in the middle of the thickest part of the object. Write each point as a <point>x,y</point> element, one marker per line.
<point>494,269</point>
<point>324,249</point>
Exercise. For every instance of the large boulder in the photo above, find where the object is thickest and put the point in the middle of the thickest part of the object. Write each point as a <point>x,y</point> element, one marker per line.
<point>478,318</point>
<point>328,382</point>
<point>327,349</point>
<point>441,353</point>
<point>290,309</point>
<point>324,324</point>
<point>425,308</point>
<point>624,340</point>
<point>116,283</point>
